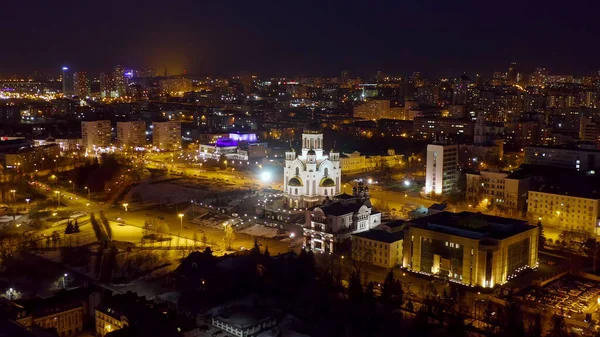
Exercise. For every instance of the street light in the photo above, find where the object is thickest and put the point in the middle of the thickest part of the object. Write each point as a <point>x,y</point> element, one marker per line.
<point>10,293</point>
<point>88,190</point>
<point>73,183</point>
<point>14,195</point>
<point>63,281</point>
<point>27,200</point>
<point>125,205</point>
<point>57,198</point>
<point>180,215</point>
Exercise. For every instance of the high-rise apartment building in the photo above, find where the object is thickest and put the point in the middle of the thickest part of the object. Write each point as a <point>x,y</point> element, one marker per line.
<point>120,81</point>
<point>67,81</point>
<point>95,134</point>
<point>131,134</point>
<point>106,85</point>
<point>378,109</point>
<point>589,129</point>
<point>166,135</point>
<point>81,85</point>
<point>539,77</point>
<point>441,174</point>
<point>175,86</point>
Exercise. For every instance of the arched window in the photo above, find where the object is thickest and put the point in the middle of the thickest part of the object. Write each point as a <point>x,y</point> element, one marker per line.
<point>296,191</point>
<point>325,191</point>
<point>326,171</point>
<point>312,143</point>
<point>297,171</point>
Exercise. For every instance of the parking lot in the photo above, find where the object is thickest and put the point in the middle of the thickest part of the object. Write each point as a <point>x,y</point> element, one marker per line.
<point>569,295</point>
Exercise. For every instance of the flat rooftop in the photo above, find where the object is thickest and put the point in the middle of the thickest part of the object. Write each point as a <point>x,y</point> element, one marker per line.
<point>472,225</point>
<point>381,235</point>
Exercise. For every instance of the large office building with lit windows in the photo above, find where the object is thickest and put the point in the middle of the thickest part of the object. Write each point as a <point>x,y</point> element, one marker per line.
<point>470,248</point>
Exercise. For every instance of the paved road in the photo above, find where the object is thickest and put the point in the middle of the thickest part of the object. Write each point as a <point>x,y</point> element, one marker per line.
<point>134,222</point>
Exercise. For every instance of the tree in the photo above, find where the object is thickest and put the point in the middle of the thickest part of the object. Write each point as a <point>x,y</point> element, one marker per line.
<point>229,236</point>
<point>76,227</point>
<point>370,294</point>
<point>541,237</point>
<point>99,230</point>
<point>558,326</point>
<point>420,324</point>
<point>162,228</point>
<point>391,292</point>
<point>535,329</point>
<point>456,326</point>
<point>106,225</point>
<point>266,252</point>
<point>69,229</point>
<point>410,306</point>
<point>256,248</point>
<point>204,239</point>
<point>355,289</point>
<point>513,325</point>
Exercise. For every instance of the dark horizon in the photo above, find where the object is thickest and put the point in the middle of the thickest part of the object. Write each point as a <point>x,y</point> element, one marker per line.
<point>272,38</point>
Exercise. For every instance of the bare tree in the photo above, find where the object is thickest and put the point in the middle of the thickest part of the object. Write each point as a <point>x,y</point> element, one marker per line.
<point>106,225</point>
<point>228,236</point>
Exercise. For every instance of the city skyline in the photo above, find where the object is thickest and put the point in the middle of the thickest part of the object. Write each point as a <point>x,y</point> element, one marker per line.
<point>278,39</point>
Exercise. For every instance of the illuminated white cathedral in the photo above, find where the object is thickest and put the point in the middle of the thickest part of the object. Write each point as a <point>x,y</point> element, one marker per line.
<point>312,176</point>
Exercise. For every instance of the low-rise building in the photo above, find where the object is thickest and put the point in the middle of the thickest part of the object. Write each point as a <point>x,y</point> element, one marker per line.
<point>381,246</point>
<point>338,218</point>
<point>140,317</point>
<point>355,162</point>
<point>573,205</point>
<point>505,190</point>
<point>470,248</point>
<point>430,127</point>
<point>29,159</point>
<point>582,156</point>
<point>243,321</point>
<point>66,312</point>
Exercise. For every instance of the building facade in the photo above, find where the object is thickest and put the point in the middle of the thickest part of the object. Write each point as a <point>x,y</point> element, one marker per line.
<point>354,162</point>
<point>378,109</point>
<point>381,247</point>
<point>244,322</point>
<point>313,175</point>
<point>95,134</point>
<point>470,248</point>
<point>430,127</point>
<point>81,84</point>
<point>441,174</point>
<point>131,134</point>
<point>508,191</point>
<point>582,158</point>
<point>566,211</point>
<point>337,219</point>
<point>167,135</point>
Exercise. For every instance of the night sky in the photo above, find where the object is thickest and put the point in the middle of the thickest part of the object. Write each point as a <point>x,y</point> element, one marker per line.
<point>302,37</point>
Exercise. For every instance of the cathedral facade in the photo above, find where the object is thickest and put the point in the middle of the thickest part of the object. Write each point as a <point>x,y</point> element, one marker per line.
<point>312,176</point>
